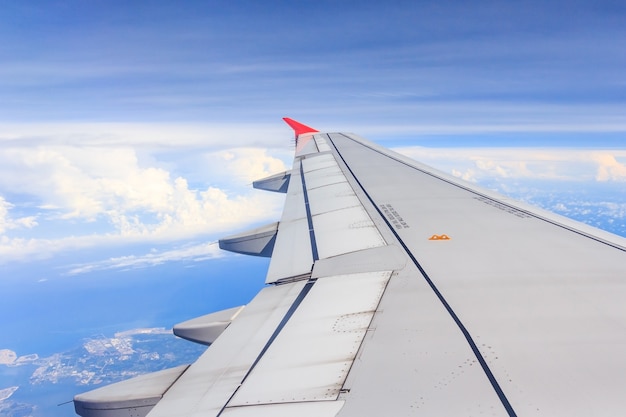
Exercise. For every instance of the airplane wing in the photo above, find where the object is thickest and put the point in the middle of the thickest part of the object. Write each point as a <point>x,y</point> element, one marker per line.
<point>395,289</point>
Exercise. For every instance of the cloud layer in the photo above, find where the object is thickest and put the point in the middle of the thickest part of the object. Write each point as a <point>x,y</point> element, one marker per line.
<point>480,164</point>
<point>69,187</point>
<point>61,192</point>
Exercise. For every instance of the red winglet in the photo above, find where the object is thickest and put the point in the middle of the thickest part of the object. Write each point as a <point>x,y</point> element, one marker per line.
<point>298,127</point>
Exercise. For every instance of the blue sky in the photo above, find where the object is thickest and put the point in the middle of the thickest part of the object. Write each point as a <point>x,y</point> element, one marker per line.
<point>130,132</point>
<point>337,63</point>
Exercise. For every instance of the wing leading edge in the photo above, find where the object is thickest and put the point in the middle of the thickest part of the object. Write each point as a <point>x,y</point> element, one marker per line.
<point>395,289</point>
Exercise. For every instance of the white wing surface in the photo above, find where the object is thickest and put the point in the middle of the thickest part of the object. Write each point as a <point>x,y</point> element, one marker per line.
<point>394,289</point>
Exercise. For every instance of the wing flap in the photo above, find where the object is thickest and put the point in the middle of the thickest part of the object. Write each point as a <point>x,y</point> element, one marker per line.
<point>320,206</point>
<point>310,358</point>
<point>294,253</point>
<point>208,384</point>
<point>340,222</point>
<point>332,197</point>
<point>294,245</point>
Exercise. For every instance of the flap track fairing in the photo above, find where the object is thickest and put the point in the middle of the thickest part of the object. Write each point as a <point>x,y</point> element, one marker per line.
<point>277,183</point>
<point>206,329</point>
<point>133,397</point>
<point>256,242</point>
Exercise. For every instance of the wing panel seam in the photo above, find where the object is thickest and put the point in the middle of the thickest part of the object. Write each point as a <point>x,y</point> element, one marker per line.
<point>308,215</point>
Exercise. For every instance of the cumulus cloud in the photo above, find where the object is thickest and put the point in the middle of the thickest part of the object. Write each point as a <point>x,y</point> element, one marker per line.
<point>112,193</point>
<point>524,163</point>
<point>241,166</point>
<point>609,169</point>
<point>8,222</point>
<point>87,183</point>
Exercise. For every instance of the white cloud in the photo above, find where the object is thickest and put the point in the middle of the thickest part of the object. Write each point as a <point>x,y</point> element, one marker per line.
<point>523,163</point>
<point>609,169</point>
<point>107,192</point>
<point>194,253</point>
<point>244,165</point>
<point>7,222</point>
<point>87,183</point>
